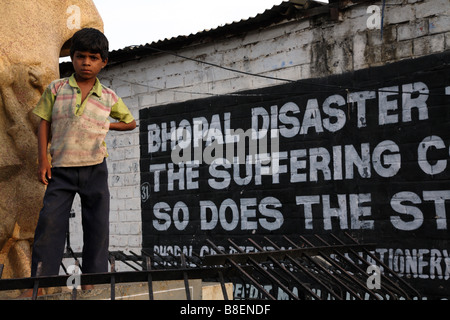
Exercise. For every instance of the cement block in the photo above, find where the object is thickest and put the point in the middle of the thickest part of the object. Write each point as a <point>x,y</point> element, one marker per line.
<point>213,291</point>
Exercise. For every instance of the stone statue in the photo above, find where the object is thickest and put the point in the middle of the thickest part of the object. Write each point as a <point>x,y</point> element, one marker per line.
<point>34,34</point>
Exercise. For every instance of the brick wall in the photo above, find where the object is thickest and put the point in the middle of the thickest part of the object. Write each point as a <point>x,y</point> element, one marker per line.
<point>301,49</point>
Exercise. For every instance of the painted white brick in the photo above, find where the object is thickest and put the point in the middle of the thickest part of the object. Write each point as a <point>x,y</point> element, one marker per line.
<point>303,37</point>
<point>429,45</point>
<point>133,204</point>
<point>398,14</point>
<point>131,102</point>
<point>439,24</point>
<point>147,100</point>
<point>359,48</point>
<point>115,154</point>
<point>117,204</point>
<point>117,241</point>
<point>124,91</point>
<point>412,30</point>
<point>165,97</point>
<point>404,49</point>
<point>116,180</point>
<point>154,77</point>
<point>122,140</point>
<point>290,73</point>
<point>174,81</point>
<point>114,216</point>
<point>431,8</point>
<point>358,11</point>
<point>132,179</point>
<point>125,193</point>
<point>132,153</point>
<point>447,40</point>
<point>135,241</point>
<point>137,88</point>
<point>357,24</point>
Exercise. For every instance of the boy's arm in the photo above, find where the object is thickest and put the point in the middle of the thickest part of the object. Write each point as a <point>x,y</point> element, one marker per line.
<point>122,126</point>
<point>125,120</point>
<point>43,139</point>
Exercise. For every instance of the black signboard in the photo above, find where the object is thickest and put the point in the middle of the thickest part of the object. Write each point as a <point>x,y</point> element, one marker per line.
<point>364,152</point>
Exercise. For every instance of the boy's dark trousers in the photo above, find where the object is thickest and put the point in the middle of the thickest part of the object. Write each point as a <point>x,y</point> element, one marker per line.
<point>91,183</point>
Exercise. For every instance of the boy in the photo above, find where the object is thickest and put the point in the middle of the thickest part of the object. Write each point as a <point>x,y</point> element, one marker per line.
<point>74,119</point>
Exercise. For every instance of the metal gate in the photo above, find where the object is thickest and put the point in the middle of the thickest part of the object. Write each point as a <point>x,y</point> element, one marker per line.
<point>296,268</point>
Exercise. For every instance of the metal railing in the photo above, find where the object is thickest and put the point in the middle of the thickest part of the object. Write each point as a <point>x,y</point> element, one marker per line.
<point>296,268</point>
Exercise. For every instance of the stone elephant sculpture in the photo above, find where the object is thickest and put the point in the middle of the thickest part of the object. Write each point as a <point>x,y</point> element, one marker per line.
<point>34,34</point>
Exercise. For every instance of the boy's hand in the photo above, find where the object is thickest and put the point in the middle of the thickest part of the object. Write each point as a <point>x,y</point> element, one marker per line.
<point>45,173</point>
<point>44,170</point>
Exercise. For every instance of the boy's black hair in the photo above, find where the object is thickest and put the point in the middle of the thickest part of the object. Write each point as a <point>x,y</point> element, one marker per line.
<point>91,40</point>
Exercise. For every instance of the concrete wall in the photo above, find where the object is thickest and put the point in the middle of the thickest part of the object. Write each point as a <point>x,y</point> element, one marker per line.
<point>295,50</point>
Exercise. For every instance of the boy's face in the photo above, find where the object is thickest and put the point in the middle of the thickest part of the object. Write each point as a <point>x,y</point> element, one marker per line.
<point>87,65</point>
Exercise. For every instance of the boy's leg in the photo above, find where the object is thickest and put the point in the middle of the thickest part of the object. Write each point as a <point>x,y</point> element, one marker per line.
<point>53,223</point>
<point>94,195</point>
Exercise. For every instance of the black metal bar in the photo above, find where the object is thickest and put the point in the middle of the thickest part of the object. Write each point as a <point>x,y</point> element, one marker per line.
<point>385,279</point>
<point>185,277</point>
<point>123,258</point>
<point>113,278</point>
<point>330,274</point>
<point>343,272</point>
<point>219,259</point>
<point>70,251</point>
<point>266,272</point>
<point>120,277</point>
<point>74,288</point>
<point>306,271</point>
<point>222,285</point>
<point>290,274</point>
<point>252,280</point>
<point>363,272</point>
<point>175,258</point>
<point>242,271</point>
<point>36,281</point>
<point>216,248</point>
<point>137,257</point>
<point>192,261</point>
<point>145,253</point>
<point>64,268</point>
<point>148,264</point>
<point>162,258</point>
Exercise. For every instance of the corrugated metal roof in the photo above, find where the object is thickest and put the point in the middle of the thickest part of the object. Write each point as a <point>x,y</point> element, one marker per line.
<point>287,10</point>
